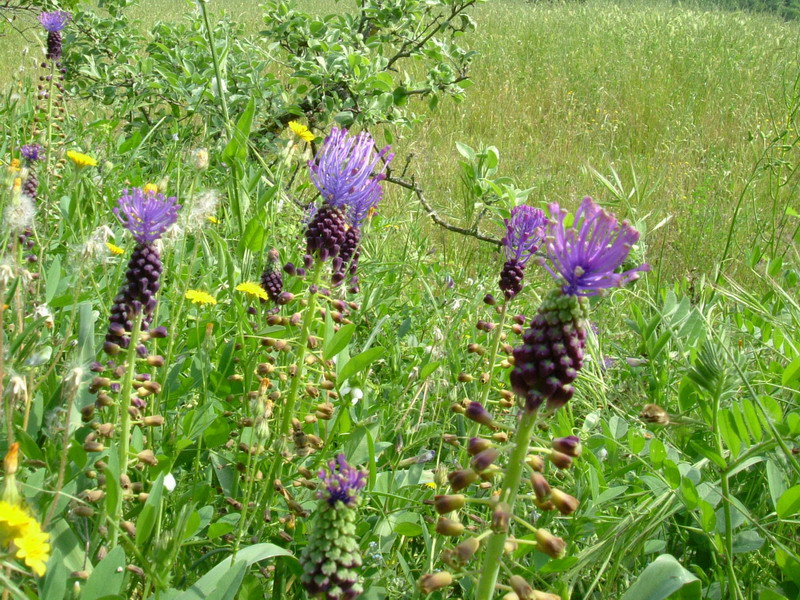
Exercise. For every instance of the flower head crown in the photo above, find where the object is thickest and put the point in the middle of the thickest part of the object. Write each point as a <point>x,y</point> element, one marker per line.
<point>54,21</point>
<point>341,482</point>
<point>343,170</point>
<point>31,152</point>
<point>585,257</point>
<point>524,233</point>
<point>146,215</point>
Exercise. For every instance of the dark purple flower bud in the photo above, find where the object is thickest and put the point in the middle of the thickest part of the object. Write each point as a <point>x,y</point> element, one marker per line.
<point>477,445</point>
<point>489,299</point>
<point>476,412</point>
<point>271,279</point>
<point>290,269</point>
<point>158,332</point>
<point>540,487</point>
<point>585,256</point>
<point>461,479</point>
<point>570,445</point>
<point>562,461</point>
<point>484,459</point>
<point>565,503</point>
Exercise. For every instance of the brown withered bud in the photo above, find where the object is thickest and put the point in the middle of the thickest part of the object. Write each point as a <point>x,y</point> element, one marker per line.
<point>508,348</point>
<point>517,328</point>
<point>91,446</point>
<point>327,385</point>
<point>654,414</point>
<point>505,403</point>
<point>264,369</point>
<point>560,460</point>
<point>103,400</point>
<point>99,383</point>
<point>155,361</point>
<point>236,377</point>
<point>466,549</point>
<point>537,595</point>
<point>274,320</point>
<point>153,421</point>
<point>87,413</point>
<point>535,462</point>
<point>142,497</point>
<point>312,391</point>
<point>449,527</point>
<point>464,377</point>
<point>153,386</point>
<point>540,487</point>
<point>476,349</point>
<point>138,571</point>
<point>105,430</point>
<point>93,496</point>
<point>292,371</point>
<point>565,503</point>
<point>451,440</point>
<point>549,544</point>
<point>313,342</point>
<point>501,517</point>
<point>125,481</point>
<point>521,587</point>
<point>506,394</point>
<point>485,378</point>
<point>281,345</point>
<point>461,479</point>
<point>129,528</point>
<point>483,460</point>
<point>102,552</point>
<point>500,437</point>
<point>448,503</point>
<point>83,511</point>
<point>147,457</point>
<point>477,445</point>
<point>310,419</point>
<point>315,441</point>
<point>430,582</point>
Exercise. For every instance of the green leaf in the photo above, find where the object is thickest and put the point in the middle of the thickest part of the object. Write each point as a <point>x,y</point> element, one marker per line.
<point>53,279</point>
<point>339,341</point>
<point>360,362</point>
<point>791,372</point>
<point>107,577</point>
<point>789,502</point>
<point>237,147</point>
<point>215,581</point>
<point>747,541</point>
<point>689,493</point>
<point>255,234</point>
<point>663,578</point>
<point>149,515</point>
<point>54,585</point>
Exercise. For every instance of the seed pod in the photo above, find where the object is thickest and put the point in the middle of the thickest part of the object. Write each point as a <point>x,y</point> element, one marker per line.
<point>549,544</point>
<point>466,549</point>
<point>521,587</point>
<point>153,421</point>
<point>129,528</point>
<point>560,460</point>
<point>477,445</point>
<point>565,503</point>
<point>570,445</point>
<point>540,487</point>
<point>147,457</point>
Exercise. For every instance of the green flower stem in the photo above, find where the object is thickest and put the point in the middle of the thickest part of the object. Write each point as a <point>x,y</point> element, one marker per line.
<point>49,139</point>
<point>305,332</point>
<point>496,543</point>
<point>124,404</point>
<point>7,407</point>
<point>498,333</point>
<point>217,71</point>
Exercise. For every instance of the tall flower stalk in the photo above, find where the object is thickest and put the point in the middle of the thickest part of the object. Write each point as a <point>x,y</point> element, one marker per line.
<point>147,216</point>
<point>584,260</point>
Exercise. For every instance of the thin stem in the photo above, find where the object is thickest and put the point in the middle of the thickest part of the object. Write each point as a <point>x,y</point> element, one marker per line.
<point>217,71</point>
<point>124,403</point>
<point>496,543</point>
<point>62,465</point>
<point>9,413</point>
<point>494,349</point>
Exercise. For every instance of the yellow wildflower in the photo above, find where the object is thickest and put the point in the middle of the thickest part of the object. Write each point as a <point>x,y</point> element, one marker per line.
<point>19,529</point>
<point>17,185</point>
<point>114,249</point>
<point>81,160</point>
<point>198,297</point>
<point>213,219</point>
<point>253,289</point>
<point>150,188</point>
<point>301,131</point>
<point>15,164</point>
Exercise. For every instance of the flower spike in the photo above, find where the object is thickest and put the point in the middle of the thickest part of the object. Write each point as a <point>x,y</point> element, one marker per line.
<point>146,215</point>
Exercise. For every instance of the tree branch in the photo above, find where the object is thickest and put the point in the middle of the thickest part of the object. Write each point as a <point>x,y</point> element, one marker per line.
<point>412,185</point>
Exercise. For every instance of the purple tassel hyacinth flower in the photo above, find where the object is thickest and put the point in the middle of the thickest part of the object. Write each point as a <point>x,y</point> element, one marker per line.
<point>147,216</point>
<point>271,279</point>
<point>54,23</point>
<point>331,559</point>
<point>584,260</point>
<point>347,173</point>
<point>524,235</point>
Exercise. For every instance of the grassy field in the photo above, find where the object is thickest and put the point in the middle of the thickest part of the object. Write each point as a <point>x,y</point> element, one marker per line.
<point>677,101</point>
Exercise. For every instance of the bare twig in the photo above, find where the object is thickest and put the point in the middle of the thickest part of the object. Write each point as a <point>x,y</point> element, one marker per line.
<point>412,185</point>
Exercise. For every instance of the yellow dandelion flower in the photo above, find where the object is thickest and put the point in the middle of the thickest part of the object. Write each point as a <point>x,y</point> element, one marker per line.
<point>15,164</point>
<point>213,219</point>
<point>114,249</point>
<point>81,160</point>
<point>301,131</point>
<point>253,289</point>
<point>431,484</point>
<point>150,188</point>
<point>17,184</point>
<point>198,297</point>
<point>33,547</point>
<point>12,516</point>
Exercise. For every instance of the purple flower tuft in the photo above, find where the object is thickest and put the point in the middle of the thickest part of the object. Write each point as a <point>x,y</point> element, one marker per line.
<point>585,256</point>
<point>55,21</point>
<point>343,171</point>
<point>342,482</point>
<point>524,233</point>
<point>146,215</point>
<point>32,152</point>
